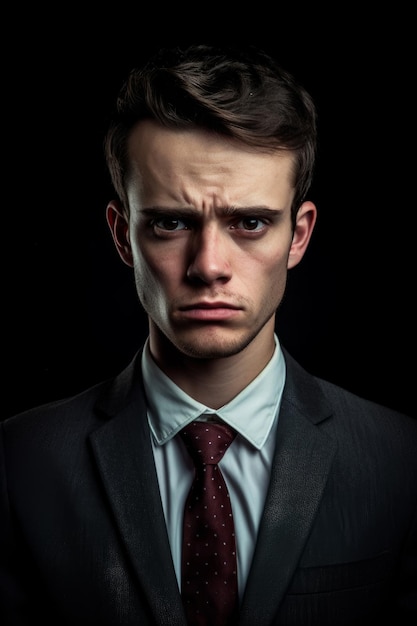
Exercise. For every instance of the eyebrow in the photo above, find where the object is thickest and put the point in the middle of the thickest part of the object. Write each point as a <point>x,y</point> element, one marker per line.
<point>226,211</point>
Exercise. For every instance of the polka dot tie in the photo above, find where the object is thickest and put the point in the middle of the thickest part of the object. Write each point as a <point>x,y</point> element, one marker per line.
<point>209,570</point>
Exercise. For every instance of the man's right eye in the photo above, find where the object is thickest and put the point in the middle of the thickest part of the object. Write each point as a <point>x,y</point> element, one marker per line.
<point>169,223</point>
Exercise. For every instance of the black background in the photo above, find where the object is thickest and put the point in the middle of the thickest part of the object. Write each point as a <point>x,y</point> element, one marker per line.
<point>70,314</point>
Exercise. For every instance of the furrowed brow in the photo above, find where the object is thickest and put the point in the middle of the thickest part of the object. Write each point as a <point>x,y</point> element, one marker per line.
<point>253,211</point>
<point>157,211</point>
<point>227,211</point>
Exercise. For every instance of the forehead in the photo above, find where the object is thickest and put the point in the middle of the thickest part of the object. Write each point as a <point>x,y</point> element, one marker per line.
<point>166,159</point>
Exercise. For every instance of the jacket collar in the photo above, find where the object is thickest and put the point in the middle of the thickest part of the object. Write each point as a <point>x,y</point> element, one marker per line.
<point>124,457</point>
<point>302,461</point>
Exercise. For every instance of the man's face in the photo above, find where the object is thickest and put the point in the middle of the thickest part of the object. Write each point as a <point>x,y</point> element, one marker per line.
<point>209,236</point>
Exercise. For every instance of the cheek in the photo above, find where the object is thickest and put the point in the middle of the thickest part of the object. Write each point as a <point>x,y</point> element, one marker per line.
<point>268,267</point>
<point>268,277</point>
<point>155,273</point>
<point>150,289</point>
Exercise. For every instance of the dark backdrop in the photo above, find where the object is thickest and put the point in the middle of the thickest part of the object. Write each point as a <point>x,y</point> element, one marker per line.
<point>70,311</point>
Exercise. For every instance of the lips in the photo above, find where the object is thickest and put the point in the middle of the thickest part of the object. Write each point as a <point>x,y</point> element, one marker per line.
<point>210,311</point>
<point>209,305</point>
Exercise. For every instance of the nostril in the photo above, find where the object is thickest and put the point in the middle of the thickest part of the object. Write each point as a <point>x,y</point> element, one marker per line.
<point>208,260</point>
<point>205,272</point>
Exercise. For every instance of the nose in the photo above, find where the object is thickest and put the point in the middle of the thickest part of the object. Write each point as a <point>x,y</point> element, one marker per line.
<point>209,256</point>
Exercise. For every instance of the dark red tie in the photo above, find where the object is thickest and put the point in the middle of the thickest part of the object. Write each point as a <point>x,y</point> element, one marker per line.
<point>208,571</point>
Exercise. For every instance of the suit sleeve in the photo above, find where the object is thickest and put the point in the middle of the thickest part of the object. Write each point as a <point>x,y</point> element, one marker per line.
<point>407,580</point>
<point>14,596</point>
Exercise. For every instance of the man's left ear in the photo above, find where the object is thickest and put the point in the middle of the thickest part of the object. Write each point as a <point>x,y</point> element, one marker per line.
<point>119,226</point>
<point>304,226</point>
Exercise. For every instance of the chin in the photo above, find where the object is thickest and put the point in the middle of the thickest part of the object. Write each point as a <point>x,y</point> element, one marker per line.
<point>214,345</point>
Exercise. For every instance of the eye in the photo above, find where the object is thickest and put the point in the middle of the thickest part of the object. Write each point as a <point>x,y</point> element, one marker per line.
<point>250,223</point>
<point>169,223</point>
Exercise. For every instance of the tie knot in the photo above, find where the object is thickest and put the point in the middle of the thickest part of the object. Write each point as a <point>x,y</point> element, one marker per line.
<point>207,441</point>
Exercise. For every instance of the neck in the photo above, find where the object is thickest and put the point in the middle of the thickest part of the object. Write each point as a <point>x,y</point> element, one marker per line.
<point>216,381</point>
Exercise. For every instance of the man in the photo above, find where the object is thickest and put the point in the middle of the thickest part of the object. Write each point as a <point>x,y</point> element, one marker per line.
<point>211,153</point>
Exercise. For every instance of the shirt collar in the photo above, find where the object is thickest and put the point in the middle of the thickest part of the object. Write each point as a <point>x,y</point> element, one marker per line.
<point>251,413</point>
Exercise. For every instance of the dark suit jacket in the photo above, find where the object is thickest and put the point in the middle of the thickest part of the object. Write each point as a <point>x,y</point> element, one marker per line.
<point>83,538</point>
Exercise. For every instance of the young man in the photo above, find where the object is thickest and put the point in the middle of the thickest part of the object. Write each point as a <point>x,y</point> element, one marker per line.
<point>211,153</point>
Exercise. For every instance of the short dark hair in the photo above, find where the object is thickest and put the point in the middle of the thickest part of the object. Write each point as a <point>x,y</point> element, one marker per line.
<point>239,93</point>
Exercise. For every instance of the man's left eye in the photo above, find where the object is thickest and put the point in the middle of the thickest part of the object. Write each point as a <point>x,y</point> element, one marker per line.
<point>250,223</point>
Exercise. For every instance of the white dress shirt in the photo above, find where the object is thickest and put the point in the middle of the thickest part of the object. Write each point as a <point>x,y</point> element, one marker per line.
<point>253,413</point>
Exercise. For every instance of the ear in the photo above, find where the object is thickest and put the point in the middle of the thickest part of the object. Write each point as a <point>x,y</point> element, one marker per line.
<point>305,221</point>
<point>119,226</point>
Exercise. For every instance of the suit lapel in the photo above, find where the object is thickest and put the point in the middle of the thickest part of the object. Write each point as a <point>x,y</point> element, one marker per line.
<point>302,461</point>
<point>301,465</point>
<point>124,456</point>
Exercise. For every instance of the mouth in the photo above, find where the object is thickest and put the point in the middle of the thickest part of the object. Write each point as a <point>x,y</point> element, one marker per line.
<point>210,311</point>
